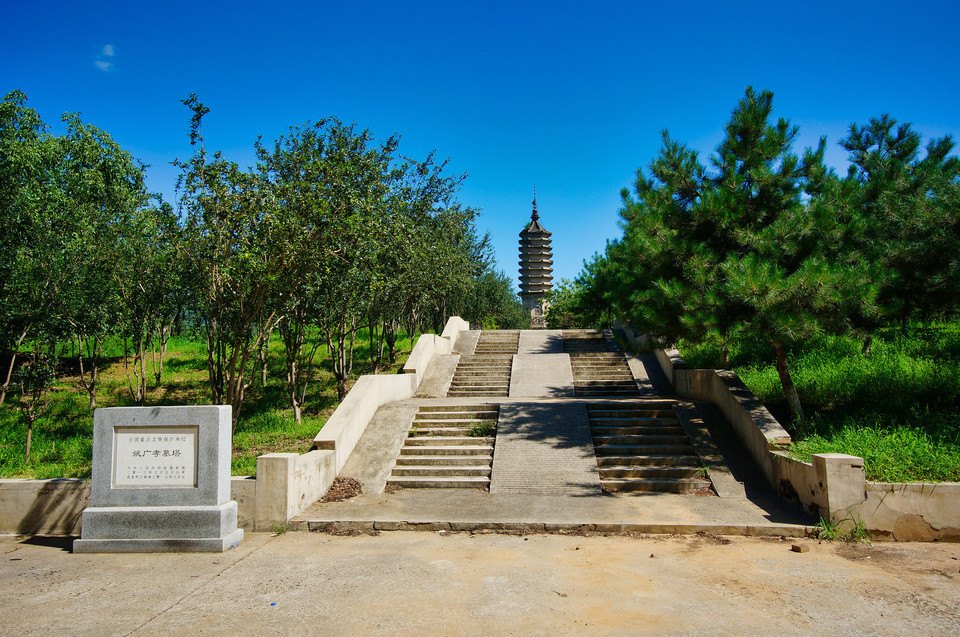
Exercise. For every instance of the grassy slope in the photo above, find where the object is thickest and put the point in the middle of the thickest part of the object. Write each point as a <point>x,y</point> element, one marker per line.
<point>898,408</point>
<point>62,439</point>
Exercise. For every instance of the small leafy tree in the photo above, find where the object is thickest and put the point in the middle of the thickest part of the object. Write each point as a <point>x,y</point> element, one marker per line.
<point>32,381</point>
<point>237,258</point>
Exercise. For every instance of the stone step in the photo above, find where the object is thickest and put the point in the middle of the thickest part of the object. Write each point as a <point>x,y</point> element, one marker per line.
<point>467,393</point>
<point>452,482</point>
<point>626,383</point>
<point>601,373</point>
<point>451,408</point>
<point>459,380</point>
<point>439,432</point>
<point>668,418</point>
<point>680,485</point>
<point>609,415</point>
<point>644,450</point>
<point>477,449</point>
<point>599,365</point>
<point>439,470</point>
<point>639,471</point>
<point>450,422</point>
<point>483,373</point>
<point>439,441</point>
<point>596,356</point>
<point>653,439</point>
<point>604,383</point>
<point>446,460</point>
<point>666,430</point>
<point>463,414</point>
<point>622,373</point>
<point>605,392</point>
<point>672,460</point>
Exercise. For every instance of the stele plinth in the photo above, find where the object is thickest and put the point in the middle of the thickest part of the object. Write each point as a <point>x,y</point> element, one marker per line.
<point>160,482</point>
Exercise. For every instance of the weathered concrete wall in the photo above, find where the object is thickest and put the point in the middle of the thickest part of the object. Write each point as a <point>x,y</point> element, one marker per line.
<point>454,326</point>
<point>670,360</point>
<point>243,489</point>
<point>832,485</point>
<point>344,428</point>
<point>821,488</point>
<point>911,511</point>
<point>287,483</point>
<point>756,427</point>
<point>29,507</point>
<point>428,346</point>
<point>55,507</point>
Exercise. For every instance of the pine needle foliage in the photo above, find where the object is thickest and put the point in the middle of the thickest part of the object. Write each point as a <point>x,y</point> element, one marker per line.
<point>741,247</point>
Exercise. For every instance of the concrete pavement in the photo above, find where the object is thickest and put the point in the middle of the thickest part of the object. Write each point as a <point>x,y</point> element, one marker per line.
<point>403,583</point>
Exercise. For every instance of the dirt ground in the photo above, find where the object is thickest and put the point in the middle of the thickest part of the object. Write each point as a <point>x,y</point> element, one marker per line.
<point>408,583</point>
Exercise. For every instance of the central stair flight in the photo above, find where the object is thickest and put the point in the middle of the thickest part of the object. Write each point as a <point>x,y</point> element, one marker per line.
<point>448,447</point>
<point>643,448</point>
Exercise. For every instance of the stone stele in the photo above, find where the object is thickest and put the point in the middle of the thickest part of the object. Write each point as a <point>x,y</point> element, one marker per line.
<point>160,482</point>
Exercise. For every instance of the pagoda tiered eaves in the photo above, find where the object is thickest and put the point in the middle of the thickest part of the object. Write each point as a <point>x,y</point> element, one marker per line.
<point>536,260</point>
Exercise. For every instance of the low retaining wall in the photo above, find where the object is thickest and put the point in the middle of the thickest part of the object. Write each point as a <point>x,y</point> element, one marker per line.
<point>285,484</point>
<point>832,485</point>
<point>344,428</point>
<point>911,511</point>
<point>32,507</point>
<point>428,346</point>
<point>54,507</point>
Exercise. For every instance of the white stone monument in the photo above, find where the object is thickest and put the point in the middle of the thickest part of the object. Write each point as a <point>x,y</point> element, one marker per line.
<point>160,482</point>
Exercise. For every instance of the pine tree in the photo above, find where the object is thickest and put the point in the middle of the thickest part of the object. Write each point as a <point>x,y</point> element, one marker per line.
<point>746,248</point>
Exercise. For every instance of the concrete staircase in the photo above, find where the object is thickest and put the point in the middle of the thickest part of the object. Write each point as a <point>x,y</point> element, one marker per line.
<point>442,449</point>
<point>643,448</point>
<point>480,375</point>
<point>602,374</point>
<point>599,367</point>
<point>498,342</point>
<point>580,341</point>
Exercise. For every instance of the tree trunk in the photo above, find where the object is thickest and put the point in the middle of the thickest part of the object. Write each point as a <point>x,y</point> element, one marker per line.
<point>390,334</point>
<point>264,355</point>
<point>93,351</point>
<point>867,346</point>
<point>26,456</point>
<point>724,356</point>
<point>13,361</point>
<point>793,398</point>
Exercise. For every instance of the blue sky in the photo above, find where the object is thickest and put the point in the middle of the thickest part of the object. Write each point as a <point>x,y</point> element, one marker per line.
<point>569,96</point>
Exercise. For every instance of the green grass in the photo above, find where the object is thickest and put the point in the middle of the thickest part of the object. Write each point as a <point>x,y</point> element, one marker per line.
<point>63,437</point>
<point>899,408</point>
<point>483,428</point>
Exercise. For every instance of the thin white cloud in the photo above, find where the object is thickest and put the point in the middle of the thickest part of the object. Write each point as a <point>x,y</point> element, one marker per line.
<point>103,60</point>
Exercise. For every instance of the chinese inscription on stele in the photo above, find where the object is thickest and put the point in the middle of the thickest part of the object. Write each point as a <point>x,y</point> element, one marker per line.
<point>155,456</point>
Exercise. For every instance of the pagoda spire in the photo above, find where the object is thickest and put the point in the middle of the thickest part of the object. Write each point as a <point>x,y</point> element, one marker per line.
<point>536,267</point>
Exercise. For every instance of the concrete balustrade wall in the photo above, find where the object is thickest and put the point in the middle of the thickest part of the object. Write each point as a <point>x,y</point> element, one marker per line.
<point>285,484</point>
<point>832,485</point>
<point>428,346</point>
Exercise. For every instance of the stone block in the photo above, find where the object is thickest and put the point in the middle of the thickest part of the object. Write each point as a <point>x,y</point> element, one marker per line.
<point>160,482</point>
